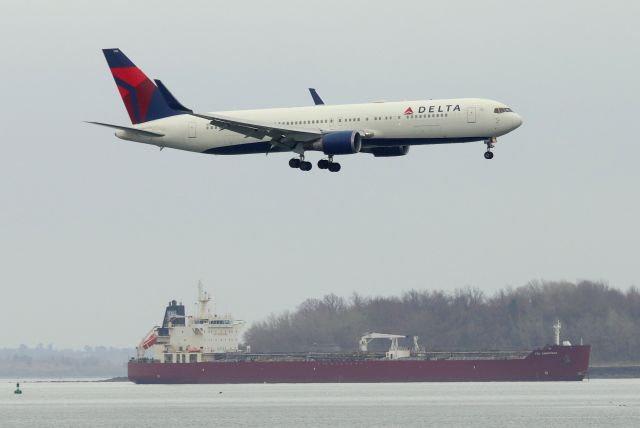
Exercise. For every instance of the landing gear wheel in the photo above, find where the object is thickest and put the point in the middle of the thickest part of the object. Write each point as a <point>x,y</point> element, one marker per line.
<point>491,142</point>
<point>323,164</point>
<point>305,166</point>
<point>334,167</point>
<point>294,163</point>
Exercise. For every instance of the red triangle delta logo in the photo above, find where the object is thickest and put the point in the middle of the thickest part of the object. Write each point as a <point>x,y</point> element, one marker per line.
<point>408,111</point>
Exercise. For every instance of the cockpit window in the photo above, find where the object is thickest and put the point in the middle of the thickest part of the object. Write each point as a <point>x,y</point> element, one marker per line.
<point>502,110</point>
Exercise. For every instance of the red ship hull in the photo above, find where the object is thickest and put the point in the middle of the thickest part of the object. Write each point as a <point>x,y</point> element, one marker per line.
<point>552,363</point>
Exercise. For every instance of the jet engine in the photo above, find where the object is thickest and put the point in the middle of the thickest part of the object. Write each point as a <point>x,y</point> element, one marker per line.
<point>339,143</point>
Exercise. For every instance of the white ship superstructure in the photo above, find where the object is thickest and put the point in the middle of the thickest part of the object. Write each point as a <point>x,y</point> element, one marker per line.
<point>189,339</point>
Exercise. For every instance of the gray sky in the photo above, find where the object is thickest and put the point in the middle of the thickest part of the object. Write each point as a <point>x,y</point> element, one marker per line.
<point>97,234</point>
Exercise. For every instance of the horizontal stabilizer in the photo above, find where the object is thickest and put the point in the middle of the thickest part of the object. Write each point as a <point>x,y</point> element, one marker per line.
<point>129,129</point>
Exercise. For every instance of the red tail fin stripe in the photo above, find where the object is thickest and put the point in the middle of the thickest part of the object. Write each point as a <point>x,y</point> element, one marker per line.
<point>144,92</point>
<point>126,98</point>
<point>143,87</point>
<point>132,75</point>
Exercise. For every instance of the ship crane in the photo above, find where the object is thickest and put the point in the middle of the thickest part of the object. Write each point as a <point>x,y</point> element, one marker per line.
<point>394,351</point>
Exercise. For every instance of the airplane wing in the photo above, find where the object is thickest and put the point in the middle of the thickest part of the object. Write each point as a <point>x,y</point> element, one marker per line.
<point>285,137</point>
<point>131,130</point>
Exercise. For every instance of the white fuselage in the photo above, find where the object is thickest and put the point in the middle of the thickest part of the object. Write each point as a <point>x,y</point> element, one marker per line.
<point>384,124</point>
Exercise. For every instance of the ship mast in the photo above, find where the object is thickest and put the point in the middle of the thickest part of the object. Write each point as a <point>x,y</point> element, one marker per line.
<point>557,328</point>
<point>203,300</point>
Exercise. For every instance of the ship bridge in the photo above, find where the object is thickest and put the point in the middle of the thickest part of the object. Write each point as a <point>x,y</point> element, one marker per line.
<point>193,338</point>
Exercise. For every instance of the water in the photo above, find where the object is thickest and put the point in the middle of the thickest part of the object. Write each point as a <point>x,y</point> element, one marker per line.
<point>595,403</point>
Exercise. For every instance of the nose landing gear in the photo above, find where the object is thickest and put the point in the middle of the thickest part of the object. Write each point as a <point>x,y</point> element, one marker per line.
<point>329,164</point>
<point>490,145</point>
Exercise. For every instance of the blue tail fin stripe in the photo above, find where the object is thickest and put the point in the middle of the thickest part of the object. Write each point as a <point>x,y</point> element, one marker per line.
<point>117,59</point>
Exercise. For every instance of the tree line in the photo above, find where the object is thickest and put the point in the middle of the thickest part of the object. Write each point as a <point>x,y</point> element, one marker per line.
<point>466,319</point>
<point>48,362</point>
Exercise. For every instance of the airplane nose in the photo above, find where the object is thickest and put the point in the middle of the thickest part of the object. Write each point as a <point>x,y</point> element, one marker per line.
<point>517,121</point>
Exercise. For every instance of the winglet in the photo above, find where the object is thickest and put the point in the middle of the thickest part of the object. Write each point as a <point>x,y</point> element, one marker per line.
<point>140,96</point>
<point>170,99</point>
<point>316,97</point>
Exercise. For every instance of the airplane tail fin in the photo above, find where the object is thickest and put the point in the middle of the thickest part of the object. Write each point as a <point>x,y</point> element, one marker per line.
<point>142,98</point>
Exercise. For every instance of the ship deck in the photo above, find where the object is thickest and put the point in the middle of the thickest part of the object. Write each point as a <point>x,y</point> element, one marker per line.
<point>355,356</point>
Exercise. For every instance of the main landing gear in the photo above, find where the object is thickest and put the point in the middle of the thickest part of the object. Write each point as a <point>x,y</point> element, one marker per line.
<point>303,165</point>
<point>329,164</point>
<point>300,164</point>
<point>490,145</point>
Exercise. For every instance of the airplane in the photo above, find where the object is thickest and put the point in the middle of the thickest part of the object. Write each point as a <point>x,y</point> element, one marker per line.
<point>382,129</point>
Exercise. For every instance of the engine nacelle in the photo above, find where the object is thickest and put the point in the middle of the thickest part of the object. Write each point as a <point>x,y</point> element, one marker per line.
<point>388,151</point>
<point>340,143</point>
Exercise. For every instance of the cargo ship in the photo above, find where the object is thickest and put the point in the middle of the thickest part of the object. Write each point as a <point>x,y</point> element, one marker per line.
<point>205,348</point>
